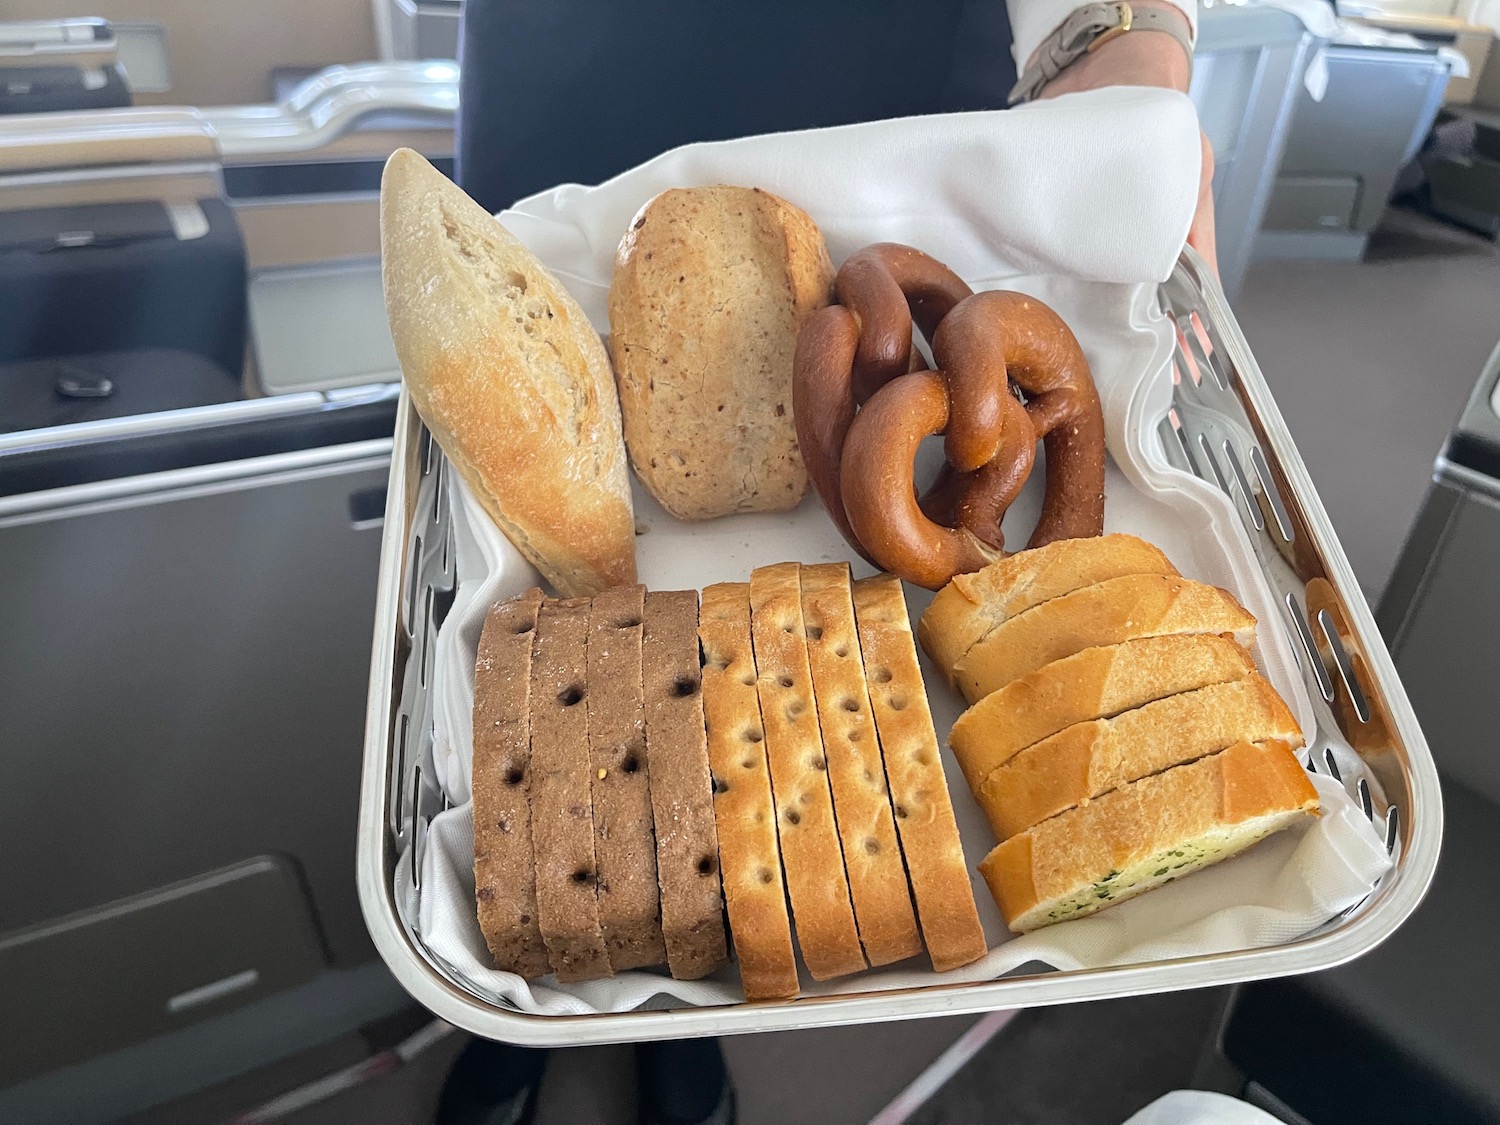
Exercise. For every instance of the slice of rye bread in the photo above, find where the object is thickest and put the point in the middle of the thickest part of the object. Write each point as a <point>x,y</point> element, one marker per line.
<point>1106,613</point>
<point>744,811</point>
<point>1093,684</point>
<point>914,770</point>
<point>1147,834</point>
<point>687,845</point>
<point>504,863</point>
<point>966,609</point>
<point>861,800</point>
<point>810,853</point>
<point>562,821</point>
<point>624,845</point>
<point>1091,758</point>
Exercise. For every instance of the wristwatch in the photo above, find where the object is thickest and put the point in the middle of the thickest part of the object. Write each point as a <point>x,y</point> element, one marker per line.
<point>1086,30</point>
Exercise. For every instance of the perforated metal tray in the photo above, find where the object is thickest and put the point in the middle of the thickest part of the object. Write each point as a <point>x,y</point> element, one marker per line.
<point>1222,426</point>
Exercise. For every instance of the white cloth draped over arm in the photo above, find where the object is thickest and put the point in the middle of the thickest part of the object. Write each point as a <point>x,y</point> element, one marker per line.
<point>1031,21</point>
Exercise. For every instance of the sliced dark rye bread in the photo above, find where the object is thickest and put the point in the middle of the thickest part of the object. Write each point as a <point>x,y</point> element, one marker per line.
<point>504,862</point>
<point>687,849</point>
<point>624,844</point>
<point>562,822</point>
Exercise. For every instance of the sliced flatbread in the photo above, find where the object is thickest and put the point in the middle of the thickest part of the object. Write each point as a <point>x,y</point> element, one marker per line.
<point>744,811</point>
<point>861,800</point>
<point>914,770</point>
<point>810,853</point>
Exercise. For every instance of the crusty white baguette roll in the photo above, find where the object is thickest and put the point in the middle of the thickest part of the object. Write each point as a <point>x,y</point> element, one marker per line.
<point>509,376</point>
<point>861,800</point>
<point>1147,834</point>
<point>914,769</point>
<point>1093,684</point>
<point>810,853</point>
<point>1106,613</point>
<point>971,605</point>
<point>1095,757</point>
<point>744,812</point>
<point>711,286</point>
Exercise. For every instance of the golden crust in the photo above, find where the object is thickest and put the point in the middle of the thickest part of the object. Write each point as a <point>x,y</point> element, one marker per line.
<point>1092,684</point>
<point>510,377</point>
<point>1091,758</point>
<point>1120,609</point>
<point>1206,810</point>
<point>966,609</point>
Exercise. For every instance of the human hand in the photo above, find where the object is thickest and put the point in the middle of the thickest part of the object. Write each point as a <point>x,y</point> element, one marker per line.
<point>1145,59</point>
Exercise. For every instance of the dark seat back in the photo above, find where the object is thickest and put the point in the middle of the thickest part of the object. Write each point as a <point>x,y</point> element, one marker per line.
<point>576,91</point>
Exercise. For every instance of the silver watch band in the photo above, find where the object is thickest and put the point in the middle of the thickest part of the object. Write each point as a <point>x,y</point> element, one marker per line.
<point>1088,28</point>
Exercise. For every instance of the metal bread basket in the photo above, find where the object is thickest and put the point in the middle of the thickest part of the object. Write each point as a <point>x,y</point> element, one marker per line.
<point>1219,398</point>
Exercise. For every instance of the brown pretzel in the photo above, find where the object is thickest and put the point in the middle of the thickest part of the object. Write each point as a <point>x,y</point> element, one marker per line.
<point>888,286</point>
<point>845,354</point>
<point>882,504</point>
<point>1010,335</point>
<point>979,500</point>
<point>823,405</point>
<point>861,460</point>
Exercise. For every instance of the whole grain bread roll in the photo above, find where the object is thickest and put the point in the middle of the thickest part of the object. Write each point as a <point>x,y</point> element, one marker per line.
<point>509,376</point>
<point>710,289</point>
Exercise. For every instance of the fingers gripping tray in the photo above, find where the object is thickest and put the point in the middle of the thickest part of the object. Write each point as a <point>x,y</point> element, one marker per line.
<point>1201,462</point>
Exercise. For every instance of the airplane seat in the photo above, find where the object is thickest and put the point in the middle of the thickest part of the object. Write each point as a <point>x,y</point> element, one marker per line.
<point>49,65</point>
<point>122,270</point>
<point>575,91</point>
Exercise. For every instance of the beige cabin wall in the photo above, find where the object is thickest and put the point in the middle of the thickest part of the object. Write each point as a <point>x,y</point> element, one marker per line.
<point>223,51</point>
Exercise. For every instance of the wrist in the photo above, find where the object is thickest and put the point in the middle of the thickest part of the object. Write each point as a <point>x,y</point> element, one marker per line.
<point>1139,43</point>
<point>1137,58</point>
